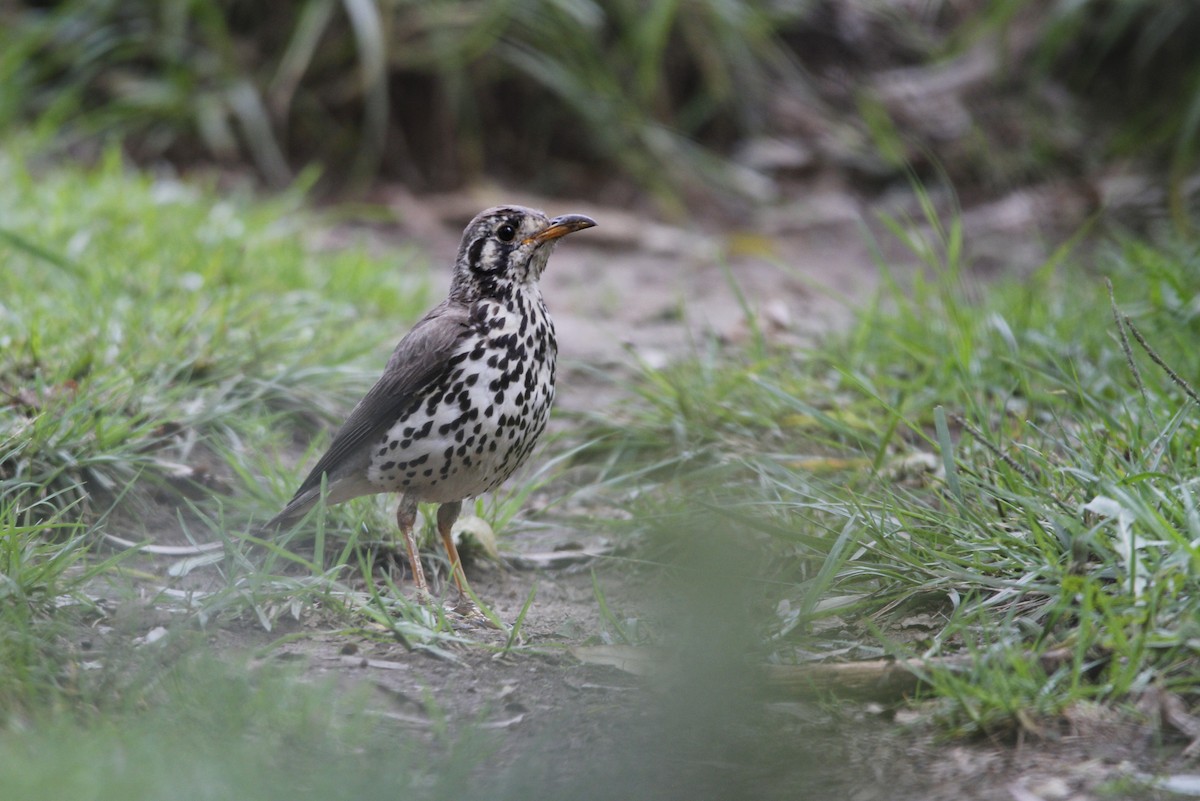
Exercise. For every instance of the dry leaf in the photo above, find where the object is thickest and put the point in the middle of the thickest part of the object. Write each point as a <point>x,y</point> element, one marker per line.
<point>550,560</point>
<point>165,550</point>
<point>476,530</point>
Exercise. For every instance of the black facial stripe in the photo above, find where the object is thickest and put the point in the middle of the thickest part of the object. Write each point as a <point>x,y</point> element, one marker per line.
<point>476,251</point>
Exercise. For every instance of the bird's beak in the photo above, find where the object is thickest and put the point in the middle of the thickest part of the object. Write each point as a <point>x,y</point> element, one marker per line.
<point>561,226</point>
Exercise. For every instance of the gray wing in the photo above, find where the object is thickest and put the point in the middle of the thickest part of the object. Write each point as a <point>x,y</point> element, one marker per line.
<point>419,359</point>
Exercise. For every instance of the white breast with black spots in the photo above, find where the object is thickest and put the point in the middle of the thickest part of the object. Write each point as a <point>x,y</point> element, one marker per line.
<point>480,421</point>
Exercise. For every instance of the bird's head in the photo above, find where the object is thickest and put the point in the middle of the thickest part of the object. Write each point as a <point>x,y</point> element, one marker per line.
<point>508,246</point>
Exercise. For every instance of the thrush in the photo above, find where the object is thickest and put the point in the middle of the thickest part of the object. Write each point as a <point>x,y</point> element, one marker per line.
<point>464,396</point>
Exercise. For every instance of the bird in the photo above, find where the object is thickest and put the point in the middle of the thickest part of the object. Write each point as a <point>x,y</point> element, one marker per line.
<point>466,393</point>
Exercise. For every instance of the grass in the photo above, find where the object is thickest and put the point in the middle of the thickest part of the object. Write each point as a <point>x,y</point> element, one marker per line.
<point>137,334</point>
<point>998,470</point>
<point>201,729</point>
<point>990,462</point>
<point>164,348</point>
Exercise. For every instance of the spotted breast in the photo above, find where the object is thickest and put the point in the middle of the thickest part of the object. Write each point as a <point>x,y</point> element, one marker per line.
<point>479,421</point>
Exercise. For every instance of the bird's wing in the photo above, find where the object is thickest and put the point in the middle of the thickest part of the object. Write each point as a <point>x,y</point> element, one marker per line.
<point>419,358</point>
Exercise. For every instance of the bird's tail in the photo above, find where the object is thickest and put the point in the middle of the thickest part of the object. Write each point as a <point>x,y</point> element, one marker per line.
<point>296,508</point>
<point>337,491</point>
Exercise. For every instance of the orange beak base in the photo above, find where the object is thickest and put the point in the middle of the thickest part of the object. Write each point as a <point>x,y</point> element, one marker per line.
<point>561,226</point>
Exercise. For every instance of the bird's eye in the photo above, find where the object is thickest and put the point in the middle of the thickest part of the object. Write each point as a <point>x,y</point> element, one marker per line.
<point>506,233</point>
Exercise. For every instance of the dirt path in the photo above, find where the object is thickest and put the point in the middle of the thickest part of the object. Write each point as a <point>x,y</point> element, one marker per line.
<point>557,727</point>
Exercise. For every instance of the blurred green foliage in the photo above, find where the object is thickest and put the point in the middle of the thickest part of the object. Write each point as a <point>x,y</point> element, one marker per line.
<point>426,91</point>
<point>558,94</point>
<point>1135,63</point>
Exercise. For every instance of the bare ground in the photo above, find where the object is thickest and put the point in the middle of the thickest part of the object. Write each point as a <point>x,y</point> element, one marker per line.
<point>563,727</point>
<point>557,726</point>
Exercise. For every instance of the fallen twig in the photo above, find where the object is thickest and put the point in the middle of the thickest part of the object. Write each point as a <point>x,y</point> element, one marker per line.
<point>879,679</point>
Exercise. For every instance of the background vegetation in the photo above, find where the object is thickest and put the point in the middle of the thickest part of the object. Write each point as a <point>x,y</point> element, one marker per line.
<point>558,94</point>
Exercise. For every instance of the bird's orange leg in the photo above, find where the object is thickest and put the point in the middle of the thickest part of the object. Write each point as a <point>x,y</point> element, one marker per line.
<point>406,518</point>
<point>447,514</point>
